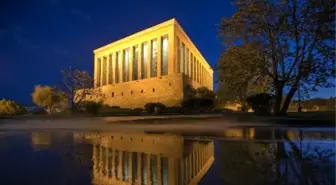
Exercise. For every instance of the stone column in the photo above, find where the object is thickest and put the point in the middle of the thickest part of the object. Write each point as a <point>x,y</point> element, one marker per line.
<point>130,166</point>
<point>186,58</point>
<point>121,66</point>
<point>120,167</point>
<point>100,161</point>
<point>182,171</point>
<point>113,165</point>
<point>206,77</point>
<point>211,81</point>
<point>130,70</point>
<point>158,170</point>
<point>94,158</point>
<point>139,167</point>
<point>171,170</point>
<point>195,67</point>
<point>149,56</point>
<point>101,70</point>
<point>113,67</point>
<point>192,68</point>
<point>178,56</point>
<point>190,167</point>
<point>159,57</point>
<point>148,178</point>
<point>171,52</point>
<point>189,64</point>
<point>106,162</point>
<point>139,60</point>
<point>95,71</point>
<point>108,69</point>
<point>196,71</point>
<point>199,72</point>
<point>203,75</point>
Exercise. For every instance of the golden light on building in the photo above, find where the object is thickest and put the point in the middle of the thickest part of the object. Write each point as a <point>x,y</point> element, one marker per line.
<point>148,159</point>
<point>153,65</point>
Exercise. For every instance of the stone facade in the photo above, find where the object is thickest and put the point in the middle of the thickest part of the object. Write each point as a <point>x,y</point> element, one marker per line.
<point>153,65</point>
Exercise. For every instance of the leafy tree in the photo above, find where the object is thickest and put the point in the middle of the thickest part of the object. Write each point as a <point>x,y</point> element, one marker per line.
<point>10,108</point>
<point>261,104</point>
<point>204,92</point>
<point>296,39</point>
<point>239,74</point>
<point>48,97</point>
<point>78,86</point>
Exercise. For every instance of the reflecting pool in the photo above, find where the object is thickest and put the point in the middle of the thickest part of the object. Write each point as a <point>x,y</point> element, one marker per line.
<point>244,155</point>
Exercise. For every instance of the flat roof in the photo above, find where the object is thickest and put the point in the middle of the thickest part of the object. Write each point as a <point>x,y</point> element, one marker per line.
<point>137,34</point>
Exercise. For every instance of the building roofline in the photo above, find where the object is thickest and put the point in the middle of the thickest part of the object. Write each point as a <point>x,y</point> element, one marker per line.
<point>189,40</point>
<point>139,33</point>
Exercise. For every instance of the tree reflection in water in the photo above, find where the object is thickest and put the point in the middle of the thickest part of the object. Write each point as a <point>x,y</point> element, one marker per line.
<point>284,163</point>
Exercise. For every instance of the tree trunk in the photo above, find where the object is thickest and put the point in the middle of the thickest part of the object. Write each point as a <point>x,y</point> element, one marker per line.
<point>278,98</point>
<point>288,99</point>
<point>49,109</point>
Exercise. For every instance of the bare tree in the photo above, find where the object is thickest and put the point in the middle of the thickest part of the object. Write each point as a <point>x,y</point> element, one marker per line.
<point>78,85</point>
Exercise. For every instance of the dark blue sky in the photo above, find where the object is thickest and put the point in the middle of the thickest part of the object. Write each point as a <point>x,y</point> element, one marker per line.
<point>39,37</point>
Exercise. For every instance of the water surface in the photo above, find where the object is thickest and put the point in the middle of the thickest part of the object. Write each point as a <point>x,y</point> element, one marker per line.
<point>254,156</point>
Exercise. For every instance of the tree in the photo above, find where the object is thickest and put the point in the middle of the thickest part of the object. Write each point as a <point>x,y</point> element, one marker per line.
<point>78,86</point>
<point>239,74</point>
<point>10,108</point>
<point>204,92</point>
<point>48,97</point>
<point>296,39</point>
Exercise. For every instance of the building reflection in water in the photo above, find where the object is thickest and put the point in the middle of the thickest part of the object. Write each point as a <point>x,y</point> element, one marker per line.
<point>148,159</point>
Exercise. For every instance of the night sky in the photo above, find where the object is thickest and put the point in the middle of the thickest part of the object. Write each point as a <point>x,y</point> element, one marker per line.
<point>39,37</point>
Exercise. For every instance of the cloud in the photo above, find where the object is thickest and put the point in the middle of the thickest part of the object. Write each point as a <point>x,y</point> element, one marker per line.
<point>81,15</point>
<point>17,35</point>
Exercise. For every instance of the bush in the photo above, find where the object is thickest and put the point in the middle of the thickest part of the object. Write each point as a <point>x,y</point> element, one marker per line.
<point>138,110</point>
<point>149,107</point>
<point>92,107</point>
<point>198,103</point>
<point>174,109</point>
<point>10,108</point>
<point>261,104</point>
<point>39,111</point>
<point>159,108</point>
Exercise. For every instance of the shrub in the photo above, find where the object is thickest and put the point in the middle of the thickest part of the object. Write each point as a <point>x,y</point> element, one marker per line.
<point>149,107</point>
<point>174,109</point>
<point>10,108</point>
<point>198,103</point>
<point>138,110</point>
<point>39,111</point>
<point>159,108</point>
<point>92,107</point>
<point>261,103</point>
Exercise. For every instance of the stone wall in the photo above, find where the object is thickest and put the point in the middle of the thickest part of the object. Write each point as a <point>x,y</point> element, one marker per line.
<point>135,94</point>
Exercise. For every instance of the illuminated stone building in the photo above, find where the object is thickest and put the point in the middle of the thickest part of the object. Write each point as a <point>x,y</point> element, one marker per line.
<point>153,65</point>
<point>145,159</point>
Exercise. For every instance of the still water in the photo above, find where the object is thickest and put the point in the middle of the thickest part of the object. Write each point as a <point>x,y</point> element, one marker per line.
<point>255,156</point>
